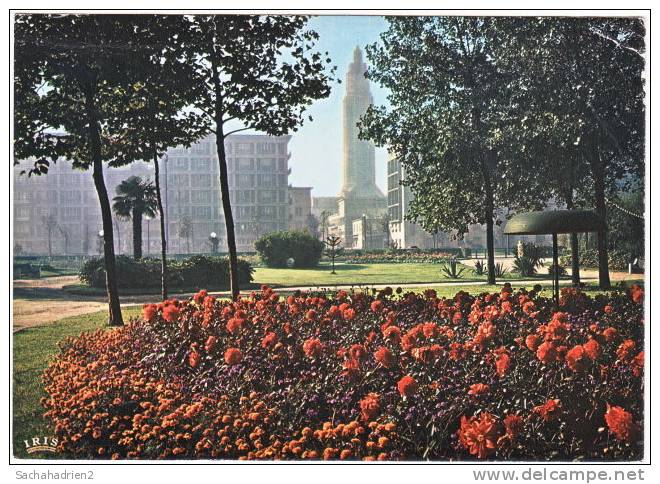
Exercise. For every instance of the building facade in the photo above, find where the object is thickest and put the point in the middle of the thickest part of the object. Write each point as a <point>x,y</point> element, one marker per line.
<point>63,206</point>
<point>300,210</point>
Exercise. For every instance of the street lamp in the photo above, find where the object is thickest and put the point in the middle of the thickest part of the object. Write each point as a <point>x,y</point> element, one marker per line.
<point>101,241</point>
<point>214,242</point>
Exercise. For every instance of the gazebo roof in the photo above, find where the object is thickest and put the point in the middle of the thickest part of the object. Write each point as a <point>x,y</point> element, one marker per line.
<point>554,222</point>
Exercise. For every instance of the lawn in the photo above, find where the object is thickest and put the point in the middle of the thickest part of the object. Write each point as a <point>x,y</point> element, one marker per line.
<point>367,274</point>
<point>33,349</point>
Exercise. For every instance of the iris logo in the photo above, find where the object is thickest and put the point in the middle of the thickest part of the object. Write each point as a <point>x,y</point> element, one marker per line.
<point>41,444</point>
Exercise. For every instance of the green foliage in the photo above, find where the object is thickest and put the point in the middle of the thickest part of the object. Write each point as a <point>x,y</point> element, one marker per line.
<point>195,271</point>
<point>451,269</point>
<point>500,270</point>
<point>625,227</point>
<point>617,260</point>
<point>276,248</point>
<point>561,270</point>
<point>479,268</point>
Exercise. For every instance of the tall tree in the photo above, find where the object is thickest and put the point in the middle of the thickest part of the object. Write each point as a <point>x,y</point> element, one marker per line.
<point>135,198</point>
<point>588,73</point>
<point>70,71</point>
<point>159,117</point>
<point>50,224</point>
<point>447,122</point>
<point>258,72</point>
<point>185,230</point>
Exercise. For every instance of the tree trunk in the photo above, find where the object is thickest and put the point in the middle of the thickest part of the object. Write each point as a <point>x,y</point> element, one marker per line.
<point>137,234</point>
<point>114,308</point>
<point>226,207</point>
<point>490,238</point>
<point>598,172</point>
<point>163,241</point>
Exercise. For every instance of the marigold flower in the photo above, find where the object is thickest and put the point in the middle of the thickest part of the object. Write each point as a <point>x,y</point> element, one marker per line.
<point>233,356</point>
<point>149,312</point>
<point>479,434</point>
<point>620,423</point>
<point>170,313</point>
<point>193,358</point>
<point>502,364</point>
<point>592,349</point>
<point>549,410</point>
<point>407,386</point>
<point>313,347</point>
<point>532,342</point>
<point>385,357</point>
<point>576,358</point>
<point>547,353</point>
<point>377,306</point>
<point>478,389</point>
<point>211,343</point>
<point>370,406</point>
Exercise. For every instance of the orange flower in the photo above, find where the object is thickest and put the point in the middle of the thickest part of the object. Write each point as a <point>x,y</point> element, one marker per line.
<point>592,349</point>
<point>478,389</point>
<point>407,386</point>
<point>370,406</point>
<point>310,315</point>
<point>385,357</point>
<point>211,342</point>
<point>547,353</point>
<point>637,294</point>
<point>576,358</point>
<point>313,347</point>
<point>549,410</point>
<point>170,313</point>
<point>233,356</point>
<point>377,306</point>
<point>149,312</point>
<point>625,349</point>
<point>532,342</point>
<point>234,325</point>
<point>479,435</point>
<point>200,296</point>
<point>610,334</point>
<point>269,340</point>
<point>620,423</point>
<point>513,425</point>
<point>637,364</point>
<point>193,358</point>
<point>502,364</point>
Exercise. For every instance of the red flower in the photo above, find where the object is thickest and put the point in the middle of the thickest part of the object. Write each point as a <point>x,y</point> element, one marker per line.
<point>637,364</point>
<point>478,389</point>
<point>385,357</point>
<point>149,312</point>
<point>502,364</point>
<point>610,334</point>
<point>479,435</point>
<point>377,306</point>
<point>592,349</point>
<point>200,296</point>
<point>549,410</point>
<point>193,358</point>
<point>311,315</point>
<point>637,294</point>
<point>370,406</point>
<point>233,356</point>
<point>625,349</point>
<point>313,347</point>
<point>211,342</point>
<point>392,333</point>
<point>485,333</point>
<point>576,358</point>
<point>407,386</point>
<point>608,309</point>
<point>170,313</point>
<point>269,340</point>
<point>351,368</point>
<point>547,353</point>
<point>620,423</point>
<point>234,325</point>
<point>532,342</point>
<point>348,314</point>
<point>513,425</point>
<point>430,330</point>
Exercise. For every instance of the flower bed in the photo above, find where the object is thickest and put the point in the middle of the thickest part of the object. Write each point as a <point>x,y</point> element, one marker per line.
<point>353,376</point>
<point>398,257</point>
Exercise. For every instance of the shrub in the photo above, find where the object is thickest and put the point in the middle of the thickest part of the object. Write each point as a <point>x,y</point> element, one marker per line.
<point>499,376</point>
<point>451,269</point>
<point>561,270</point>
<point>193,272</point>
<point>479,268</point>
<point>617,260</point>
<point>276,248</point>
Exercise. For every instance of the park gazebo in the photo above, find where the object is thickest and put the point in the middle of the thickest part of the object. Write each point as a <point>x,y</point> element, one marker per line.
<point>554,222</point>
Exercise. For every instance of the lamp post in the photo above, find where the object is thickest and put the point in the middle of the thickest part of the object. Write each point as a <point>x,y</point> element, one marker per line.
<point>214,242</point>
<point>101,240</point>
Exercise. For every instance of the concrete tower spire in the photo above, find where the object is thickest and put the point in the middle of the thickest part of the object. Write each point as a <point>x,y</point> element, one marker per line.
<point>358,164</point>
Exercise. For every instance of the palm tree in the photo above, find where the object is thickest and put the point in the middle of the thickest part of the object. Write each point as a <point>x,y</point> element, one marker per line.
<point>135,198</point>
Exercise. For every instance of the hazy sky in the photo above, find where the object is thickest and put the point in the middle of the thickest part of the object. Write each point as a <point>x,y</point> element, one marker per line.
<point>316,148</point>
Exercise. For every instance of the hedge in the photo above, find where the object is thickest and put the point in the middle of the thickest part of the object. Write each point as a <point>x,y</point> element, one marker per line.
<point>275,249</point>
